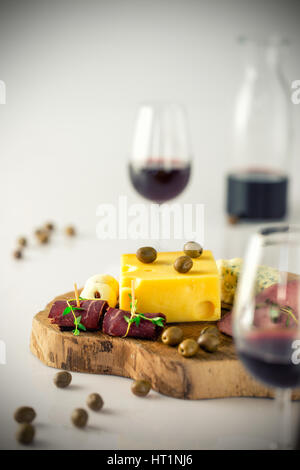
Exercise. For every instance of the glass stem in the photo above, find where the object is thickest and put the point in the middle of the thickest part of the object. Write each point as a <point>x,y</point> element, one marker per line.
<point>283,405</point>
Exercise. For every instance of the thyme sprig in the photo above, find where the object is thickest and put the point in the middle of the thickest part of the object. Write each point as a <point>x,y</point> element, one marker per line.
<point>77,320</point>
<point>136,317</point>
<point>277,309</point>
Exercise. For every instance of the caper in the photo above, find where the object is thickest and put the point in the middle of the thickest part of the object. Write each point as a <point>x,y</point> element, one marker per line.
<point>193,249</point>
<point>188,347</point>
<point>183,264</point>
<point>141,388</point>
<point>62,379</point>
<point>49,226</point>
<point>24,414</point>
<point>43,237</point>
<point>209,342</point>
<point>25,433</point>
<point>146,254</point>
<point>211,329</point>
<point>94,401</point>
<point>79,417</point>
<point>22,241</point>
<point>18,254</point>
<point>70,231</point>
<point>172,336</point>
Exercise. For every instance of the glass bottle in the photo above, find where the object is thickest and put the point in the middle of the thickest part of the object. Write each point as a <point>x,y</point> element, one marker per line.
<point>257,182</point>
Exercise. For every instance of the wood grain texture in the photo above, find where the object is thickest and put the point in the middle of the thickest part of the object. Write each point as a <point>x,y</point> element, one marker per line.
<point>206,375</point>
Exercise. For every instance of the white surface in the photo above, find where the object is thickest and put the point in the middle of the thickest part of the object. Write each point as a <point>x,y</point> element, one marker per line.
<point>127,422</point>
<point>75,72</point>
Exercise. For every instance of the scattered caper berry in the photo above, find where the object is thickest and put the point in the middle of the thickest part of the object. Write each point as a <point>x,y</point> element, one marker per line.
<point>193,249</point>
<point>188,347</point>
<point>146,254</point>
<point>18,254</point>
<point>43,237</point>
<point>209,342</point>
<point>172,336</point>
<point>79,417</point>
<point>183,264</point>
<point>25,433</point>
<point>141,388</point>
<point>62,379</point>
<point>24,414</point>
<point>49,226</point>
<point>94,401</point>
<point>22,241</point>
<point>70,231</point>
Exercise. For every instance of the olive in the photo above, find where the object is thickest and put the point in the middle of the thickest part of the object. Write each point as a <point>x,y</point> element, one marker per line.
<point>209,342</point>
<point>62,379</point>
<point>18,254</point>
<point>141,388</point>
<point>183,264</point>
<point>94,401</point>
<point>79,417</point>
<point>22,241</point>
<point>70,231</point>
<point>24,414</point>
<point>188,347</point>
<point>146,254</point>
<point>172,336</point>
<point>211,329</point>
<point>193,249</point>
<point>25,433</point>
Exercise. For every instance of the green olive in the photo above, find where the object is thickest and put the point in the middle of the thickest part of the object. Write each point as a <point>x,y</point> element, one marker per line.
<point>24,414</point>
<point>172,336</point>
<point>188,347</point>
<point>193,249</point>
<point>25,433</point>
<point>211,329</point>
<point>79,417</point>
<point>209,342</point>
<point>146,254</point>
<point>183,264</point>
<point>141,388</point>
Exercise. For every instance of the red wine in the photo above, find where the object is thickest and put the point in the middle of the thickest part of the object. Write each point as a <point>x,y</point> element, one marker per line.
<point>158,183</point>
<point>256,194</point>
<point>268,356</point>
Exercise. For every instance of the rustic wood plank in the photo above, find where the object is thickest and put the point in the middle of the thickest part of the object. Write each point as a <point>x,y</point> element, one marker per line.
<point>216,375</point>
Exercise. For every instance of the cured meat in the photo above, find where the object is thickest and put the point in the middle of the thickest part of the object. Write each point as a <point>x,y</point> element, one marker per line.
<point>114,324</point>
<point>285,297</point>
<point>91,313</point>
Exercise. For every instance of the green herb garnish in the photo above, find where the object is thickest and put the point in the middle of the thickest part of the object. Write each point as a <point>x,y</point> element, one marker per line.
<point>77,320</point>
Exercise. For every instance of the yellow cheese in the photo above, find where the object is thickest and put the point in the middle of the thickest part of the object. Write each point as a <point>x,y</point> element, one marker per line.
<point>159,288</point>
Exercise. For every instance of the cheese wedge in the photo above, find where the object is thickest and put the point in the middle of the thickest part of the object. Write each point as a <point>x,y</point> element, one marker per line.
<point>229,271</point>
<point>159,288</point>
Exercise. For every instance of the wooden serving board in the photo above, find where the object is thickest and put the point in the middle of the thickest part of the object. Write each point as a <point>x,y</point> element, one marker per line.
<point>206,375</point>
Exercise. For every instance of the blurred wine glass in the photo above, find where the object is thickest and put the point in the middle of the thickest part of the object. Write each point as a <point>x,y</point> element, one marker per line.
<point>160,162</point>
<point>266,321</point>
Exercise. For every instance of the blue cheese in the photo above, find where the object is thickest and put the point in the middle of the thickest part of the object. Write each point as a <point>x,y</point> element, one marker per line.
<point>229,271</point>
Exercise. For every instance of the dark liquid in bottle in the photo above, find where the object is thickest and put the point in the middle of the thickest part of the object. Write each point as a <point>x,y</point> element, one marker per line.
<point>257,195</point>
<point>268,356</point>
<point>158,183</point>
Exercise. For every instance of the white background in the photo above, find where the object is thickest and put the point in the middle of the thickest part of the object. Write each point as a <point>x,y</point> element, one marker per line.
<point>75,73</point>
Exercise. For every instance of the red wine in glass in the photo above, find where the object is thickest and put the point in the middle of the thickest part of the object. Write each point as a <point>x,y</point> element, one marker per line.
<point>158,183</point>
<point>268,356</point>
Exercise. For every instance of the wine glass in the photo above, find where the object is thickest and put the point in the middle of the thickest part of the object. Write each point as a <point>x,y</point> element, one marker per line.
<point>160,162</point>
<point>266,321</point>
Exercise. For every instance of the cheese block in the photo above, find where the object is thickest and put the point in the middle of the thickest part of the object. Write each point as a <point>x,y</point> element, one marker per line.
<point>229,271</point>
<point>159,288</point>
